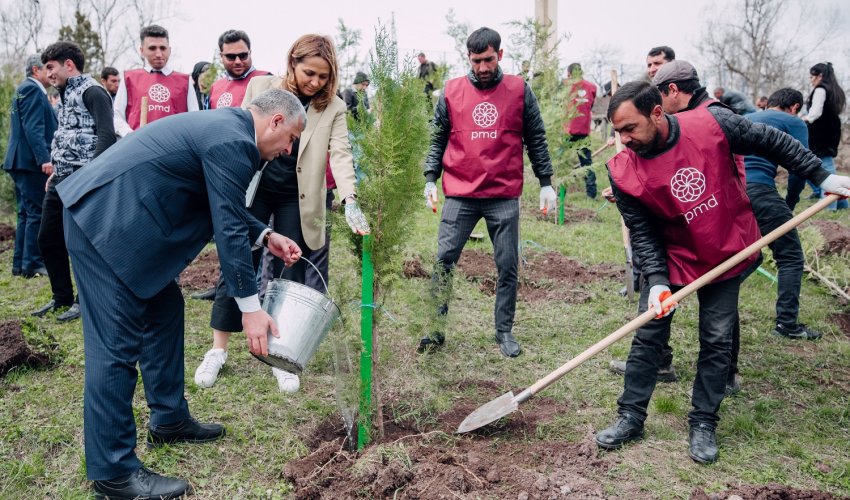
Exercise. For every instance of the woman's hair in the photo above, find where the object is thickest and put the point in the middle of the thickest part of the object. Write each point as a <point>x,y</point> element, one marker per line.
<point>313,46</point>
<point>835,99</point>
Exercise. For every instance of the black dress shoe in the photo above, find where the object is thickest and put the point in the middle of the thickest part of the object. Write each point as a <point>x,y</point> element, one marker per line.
<point>71,314</point>
<point>702,444</point>
<point>16,271</point>
<point>626,429</point>
<point>142,484</point>
<point>50,306</point>
<point>796,332</point>
<point>188,431</point>
<point>208,294</point>
<point>508,344</point>
<point>431,342</point>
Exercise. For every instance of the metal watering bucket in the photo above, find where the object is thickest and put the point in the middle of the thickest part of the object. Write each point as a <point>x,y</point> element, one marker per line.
<point>303,316</point>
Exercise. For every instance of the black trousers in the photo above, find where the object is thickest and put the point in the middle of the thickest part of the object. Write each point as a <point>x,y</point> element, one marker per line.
<point>320,257</point>
<point>718,317</point>
<point>51,243</point>
<point>29,195</point>
<point>225,315</point>
<point>585,160</point>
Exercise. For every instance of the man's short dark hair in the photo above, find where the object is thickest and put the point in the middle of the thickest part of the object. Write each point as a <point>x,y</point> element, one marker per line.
<point>62,51</point>
<point>233,36</point>
<point>684,86</point>
<point>153,31</point>
<point>643,95</point>
<point>107,72</point>
<point>669,54</point>
<point>421,54</point>
<point>482,38</point>
<point>785,98</point>
<point>573,67</point>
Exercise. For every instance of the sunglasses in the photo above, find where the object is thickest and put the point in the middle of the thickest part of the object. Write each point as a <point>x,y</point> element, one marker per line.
<point>242,55</point>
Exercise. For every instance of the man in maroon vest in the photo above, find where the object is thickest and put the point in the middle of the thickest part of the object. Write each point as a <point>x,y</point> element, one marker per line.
<point>168,91</point>
<point>582,94</point>
<point>235,49</point>
<point>684,201</point>
<point>481,123</point>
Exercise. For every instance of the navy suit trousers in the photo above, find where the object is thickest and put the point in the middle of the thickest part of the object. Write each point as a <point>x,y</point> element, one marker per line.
<point>29,195</point>
<point>119,331</point>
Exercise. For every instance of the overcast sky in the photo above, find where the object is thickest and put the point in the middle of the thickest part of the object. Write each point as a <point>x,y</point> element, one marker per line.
<point>628,25</point>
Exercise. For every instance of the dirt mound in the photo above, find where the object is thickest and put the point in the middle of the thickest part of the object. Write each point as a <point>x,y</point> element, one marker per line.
<point>423,463</point>
<point>843,322</point>
<point>7,237</point>
<point>837,235</point>
<point>545,275</point>
<point>572,215</point>
<point>202,273</point>
<point>771,491</point>
<point>412,268</point>
<point>14,350</point>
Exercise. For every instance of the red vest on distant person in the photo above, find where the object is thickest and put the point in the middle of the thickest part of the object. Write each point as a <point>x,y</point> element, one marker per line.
<point>166,95</point>
<point>483,158</point>
<point>584,94</point>
<point>226,93</point>
<point>698,195</point>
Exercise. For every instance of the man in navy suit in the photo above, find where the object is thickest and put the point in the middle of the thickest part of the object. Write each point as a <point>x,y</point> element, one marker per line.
<point>33,123</point>
<point>136,216</point>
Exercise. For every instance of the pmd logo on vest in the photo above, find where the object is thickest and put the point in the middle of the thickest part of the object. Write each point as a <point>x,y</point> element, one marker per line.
<point>159,93</point>
<point>687,185</point>
<point>484,115</point>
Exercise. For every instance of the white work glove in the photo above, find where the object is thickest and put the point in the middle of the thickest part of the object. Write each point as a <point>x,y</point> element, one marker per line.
<point>657,294</point>
<point>355,218</point>
<point>430,195</point>
<point>548,199</point>
<point>836,184</point>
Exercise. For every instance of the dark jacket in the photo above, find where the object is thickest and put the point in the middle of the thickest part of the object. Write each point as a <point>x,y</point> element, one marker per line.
<point>533,134</point>
<point>33,123</point>
<point>744,138</point>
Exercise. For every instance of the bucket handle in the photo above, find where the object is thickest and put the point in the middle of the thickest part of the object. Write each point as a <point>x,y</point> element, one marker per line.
<point>305,259</point>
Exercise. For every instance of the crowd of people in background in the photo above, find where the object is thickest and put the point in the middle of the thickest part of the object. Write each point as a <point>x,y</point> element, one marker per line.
<point>285,147</point>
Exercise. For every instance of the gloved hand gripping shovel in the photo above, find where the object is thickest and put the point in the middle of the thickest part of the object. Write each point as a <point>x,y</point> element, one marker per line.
<point>508,403</point>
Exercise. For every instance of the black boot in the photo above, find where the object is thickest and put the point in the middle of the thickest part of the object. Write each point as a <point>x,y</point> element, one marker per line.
<point>431,342</point>
<point>142,484</point>
<point>189,431</point>
<point>626,429</point>
<point>702,444</point>
<point>508,344</point>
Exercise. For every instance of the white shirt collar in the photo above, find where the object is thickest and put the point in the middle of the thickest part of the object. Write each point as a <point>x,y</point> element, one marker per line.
<point>38,83</point>
<point>166,70</point>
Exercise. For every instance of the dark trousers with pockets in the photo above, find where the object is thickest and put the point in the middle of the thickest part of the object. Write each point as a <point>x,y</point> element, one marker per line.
<point>321,257</point>
<point>121,330</point>
<point>718,317</point>
<point>226,315</point>
<point>29,195</point>
<point>459,217</point>
<point>51,242</point>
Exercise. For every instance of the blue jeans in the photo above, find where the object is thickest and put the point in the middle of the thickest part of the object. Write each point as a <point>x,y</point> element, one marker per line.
<point>829,165</point>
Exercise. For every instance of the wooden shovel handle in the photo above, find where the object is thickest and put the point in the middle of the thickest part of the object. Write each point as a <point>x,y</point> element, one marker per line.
<point>143,118</point>
<point>703,280</point>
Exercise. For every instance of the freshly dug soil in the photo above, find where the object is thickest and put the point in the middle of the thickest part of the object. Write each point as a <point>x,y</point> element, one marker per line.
<point>7,237</point>
<point>412,268</point>
<point>771,491</point>
<point>14,350</point>
<point>572,215</point>
<point>418,463</point>
<point>843,322</point>
<point>545,276</point>
<point>837,235</point>
<point>202,273</point>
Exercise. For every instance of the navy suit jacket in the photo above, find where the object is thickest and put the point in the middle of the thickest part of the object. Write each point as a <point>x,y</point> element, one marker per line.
<point>152,201</point>
<point>33,123</point>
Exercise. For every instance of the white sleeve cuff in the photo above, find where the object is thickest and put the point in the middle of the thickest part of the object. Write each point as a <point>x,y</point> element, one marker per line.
<point>259,242</point>
<point>248,304</point>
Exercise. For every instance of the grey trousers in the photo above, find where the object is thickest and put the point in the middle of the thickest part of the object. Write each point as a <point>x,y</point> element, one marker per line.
<point>459,217</point>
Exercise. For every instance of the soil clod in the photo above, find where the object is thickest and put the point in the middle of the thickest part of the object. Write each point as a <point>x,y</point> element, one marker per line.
<point>14,350</point>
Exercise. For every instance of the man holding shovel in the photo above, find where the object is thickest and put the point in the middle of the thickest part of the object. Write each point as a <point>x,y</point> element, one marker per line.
<point>481,124</point>
<point>684,201</point>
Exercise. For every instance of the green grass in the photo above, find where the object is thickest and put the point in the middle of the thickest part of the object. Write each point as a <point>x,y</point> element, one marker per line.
<point>790,424</point>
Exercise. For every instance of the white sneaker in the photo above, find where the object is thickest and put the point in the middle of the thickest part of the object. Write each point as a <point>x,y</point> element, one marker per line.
<point>286,382</point>
<point>207,372</point>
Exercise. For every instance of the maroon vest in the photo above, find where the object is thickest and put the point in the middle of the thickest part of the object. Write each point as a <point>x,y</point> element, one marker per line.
<point>484,156</point>
<point>226,93</point>
<point>698,196</point>
<point>166,94</point>
<point>584,94</point>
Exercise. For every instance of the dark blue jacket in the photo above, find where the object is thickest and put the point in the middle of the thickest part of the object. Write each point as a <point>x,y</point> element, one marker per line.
<point>151,201</point>
<point>33,123</point>
<point>760,170</point>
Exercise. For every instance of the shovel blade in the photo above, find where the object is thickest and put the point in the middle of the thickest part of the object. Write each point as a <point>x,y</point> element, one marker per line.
<point>489,412</point>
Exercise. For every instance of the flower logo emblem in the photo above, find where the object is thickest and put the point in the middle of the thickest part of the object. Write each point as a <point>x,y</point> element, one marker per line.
<point>224,100</point>
<point>687,184</point>
<point>484,115</point>
<point>159,93</point>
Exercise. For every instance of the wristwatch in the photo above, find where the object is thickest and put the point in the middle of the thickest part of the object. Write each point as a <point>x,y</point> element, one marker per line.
<point>266,238</point>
